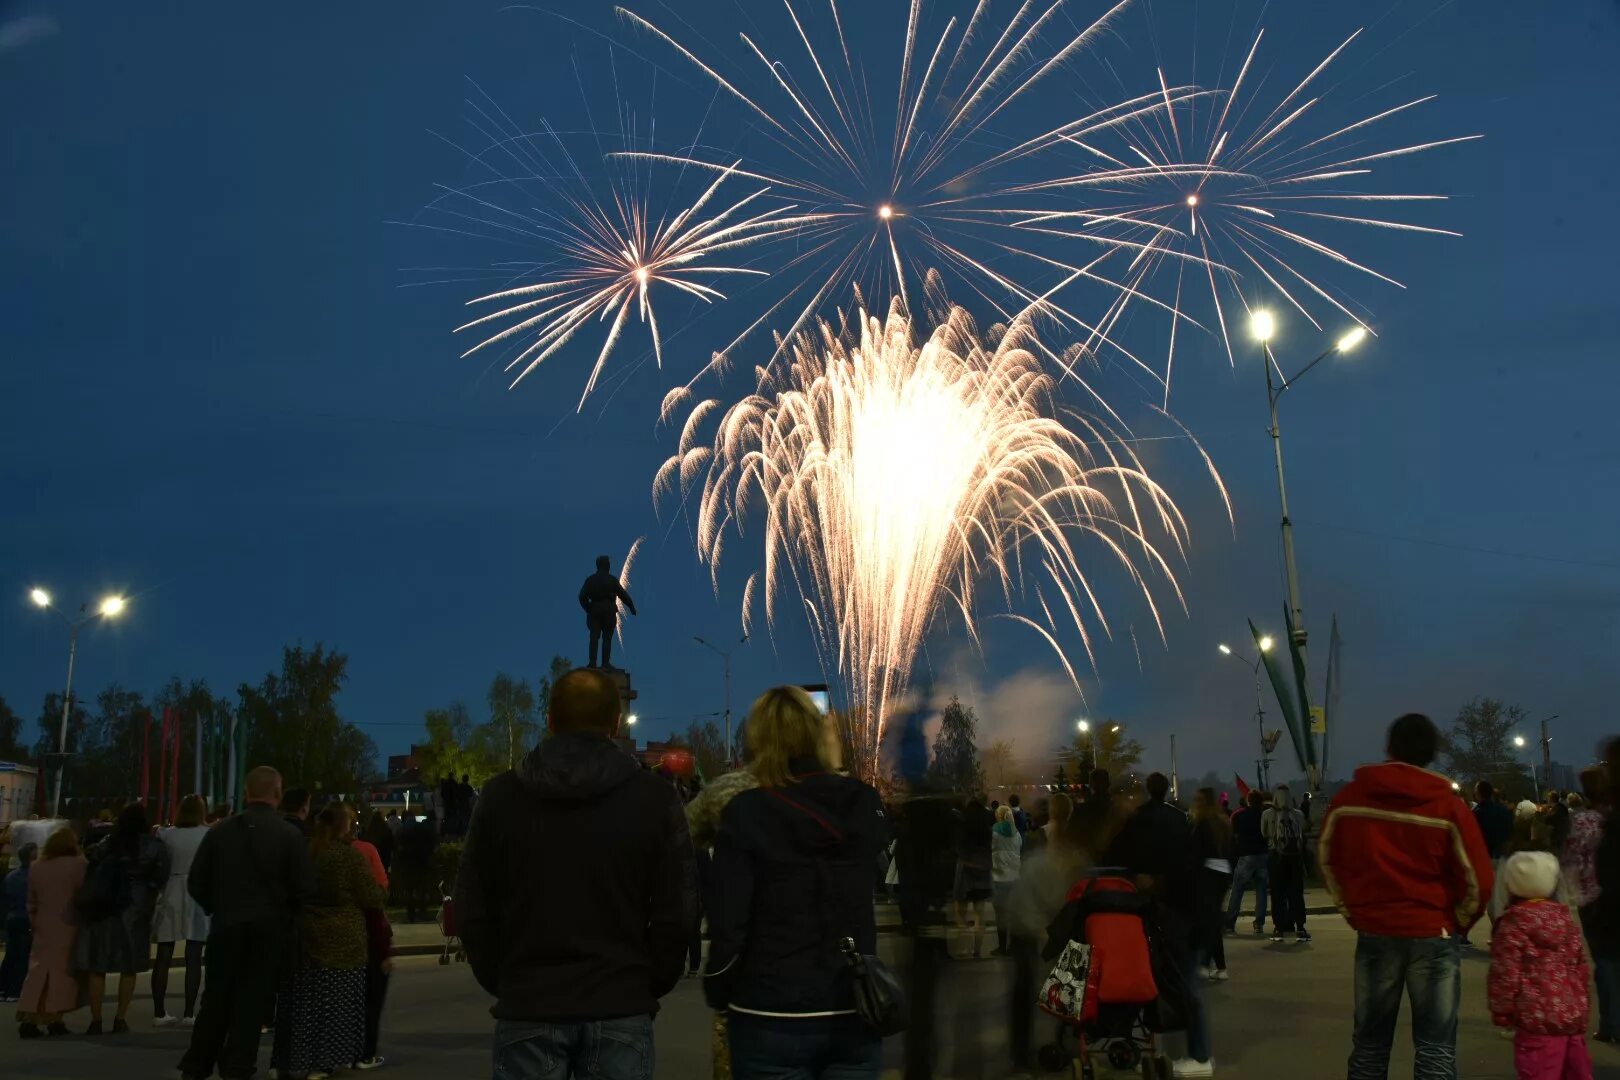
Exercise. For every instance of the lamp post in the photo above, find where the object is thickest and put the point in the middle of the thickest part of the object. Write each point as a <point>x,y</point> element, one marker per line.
<point>1535,784</point>
<point>109,608</point>
<point>726,657</point>
<point>1264,326</point>
<point>1263,765</point>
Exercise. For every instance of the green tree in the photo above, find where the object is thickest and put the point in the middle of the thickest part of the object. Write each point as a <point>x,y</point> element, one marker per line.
<point>293,723</point>
<point>560,666</point>
<point>956,755</point>
<point>110,765</point>
<point>1000,765</point>
<point>454,748</point>
<point>512,729</point>
<point>11,746</point>
<point>1479,746</point>
<point>1106,745</point>
<point>708,745</point>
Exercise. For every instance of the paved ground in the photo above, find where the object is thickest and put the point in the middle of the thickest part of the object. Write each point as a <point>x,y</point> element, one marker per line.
<point>1285,1013</point>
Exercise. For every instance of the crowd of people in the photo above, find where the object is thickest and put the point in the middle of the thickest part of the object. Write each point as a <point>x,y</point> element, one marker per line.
<point>281,908</point>
<point>282,919</point>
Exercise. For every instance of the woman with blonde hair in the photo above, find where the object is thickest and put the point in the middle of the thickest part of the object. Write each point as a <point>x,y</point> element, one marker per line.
<point>795,867</point>
<point>179,917</point>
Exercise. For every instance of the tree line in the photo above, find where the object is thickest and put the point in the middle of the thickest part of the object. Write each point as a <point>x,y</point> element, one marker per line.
<point>288,719</point>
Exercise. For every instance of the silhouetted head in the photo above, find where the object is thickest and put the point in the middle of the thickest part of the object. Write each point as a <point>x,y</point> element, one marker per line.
<point>1413,739</point>
<point>1594,783</point>
<point>584,702</point>
<point>295,801</point>
<point>603,563</point>
<point>1100,781</point>
<point>1256,800</point>
<point>263,785</point>
<point>1484,791</point>
<point>1158,786</point>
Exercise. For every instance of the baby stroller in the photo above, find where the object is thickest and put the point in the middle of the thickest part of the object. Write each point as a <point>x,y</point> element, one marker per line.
<point>1124,1011</point>
<point>447,926</point>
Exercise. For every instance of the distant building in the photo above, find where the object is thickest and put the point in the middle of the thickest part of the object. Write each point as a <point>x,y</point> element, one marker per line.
<point>19,791</point>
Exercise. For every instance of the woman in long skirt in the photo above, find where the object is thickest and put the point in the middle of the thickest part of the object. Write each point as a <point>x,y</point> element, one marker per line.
<point>52,987</point>
<point>321,1010</point>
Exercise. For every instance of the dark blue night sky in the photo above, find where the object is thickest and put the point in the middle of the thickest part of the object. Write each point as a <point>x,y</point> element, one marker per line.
<point>222,395</point>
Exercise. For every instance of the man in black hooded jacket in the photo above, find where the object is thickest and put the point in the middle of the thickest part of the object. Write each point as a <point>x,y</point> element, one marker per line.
<point>576,896</point>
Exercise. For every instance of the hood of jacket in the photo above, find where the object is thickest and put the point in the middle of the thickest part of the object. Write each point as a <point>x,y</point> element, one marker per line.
<point>568,765</point>
<point>703,812</point>
<point>1396,785</point>
<point>1003,828</point>
<point>825,813</point>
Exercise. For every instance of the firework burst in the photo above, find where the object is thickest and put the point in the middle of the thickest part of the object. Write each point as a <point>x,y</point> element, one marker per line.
<point>1223,196</point>
<point>608,250</point>
<point>887,196</point>
<point>893,477</point>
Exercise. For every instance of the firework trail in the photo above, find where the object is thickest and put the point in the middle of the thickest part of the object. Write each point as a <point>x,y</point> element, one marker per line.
<point>606,254</point>
<point>884,201</point>
<point>1223,194</point>
<point>893,477</point>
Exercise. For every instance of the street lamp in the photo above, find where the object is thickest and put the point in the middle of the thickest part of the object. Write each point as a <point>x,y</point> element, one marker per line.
<point>1264,765</point>
<point>1263,325</point>
<point>630,721</point>
<point>726,657</point>
<point>109,608</point>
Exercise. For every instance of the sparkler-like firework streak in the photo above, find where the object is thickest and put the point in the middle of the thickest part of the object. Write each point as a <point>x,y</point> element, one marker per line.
<point>893,477</point>
<point>1227,196</point>
<point>879,212</point>
<point>605,253</point>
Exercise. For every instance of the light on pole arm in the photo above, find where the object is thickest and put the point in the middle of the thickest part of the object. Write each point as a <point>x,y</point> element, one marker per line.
<point>40,597</point>
<point>109,607</point>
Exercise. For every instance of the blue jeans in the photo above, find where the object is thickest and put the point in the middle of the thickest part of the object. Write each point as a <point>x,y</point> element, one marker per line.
<point>1251,871</point>
<point>829,1048</point>
<point>1426,969</point>
<point>619,1049</point>
<point>1197,1015</point>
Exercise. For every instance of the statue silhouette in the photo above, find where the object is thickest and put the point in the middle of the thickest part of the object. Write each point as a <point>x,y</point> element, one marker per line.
<point>600,596</point>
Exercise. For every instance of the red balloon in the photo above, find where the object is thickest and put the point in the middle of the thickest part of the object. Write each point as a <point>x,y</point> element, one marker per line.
<point>678,762</point>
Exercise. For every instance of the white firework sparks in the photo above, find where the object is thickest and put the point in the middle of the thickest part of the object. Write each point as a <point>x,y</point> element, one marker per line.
<point>893,477</point>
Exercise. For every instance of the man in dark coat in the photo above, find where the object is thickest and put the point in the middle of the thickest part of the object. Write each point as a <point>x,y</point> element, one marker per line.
<point>251,874</point>
<point>600,596</point>
<point>576,895</point>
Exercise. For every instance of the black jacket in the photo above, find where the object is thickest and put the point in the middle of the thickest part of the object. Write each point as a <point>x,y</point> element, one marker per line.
<point>1495,825</point>
<point>1157,841</point>
<point>577,893</point>
<point>795,869</point>
<point>253,867</point>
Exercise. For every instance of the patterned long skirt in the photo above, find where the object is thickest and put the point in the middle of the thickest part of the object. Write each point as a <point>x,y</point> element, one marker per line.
<point>320,1021</point>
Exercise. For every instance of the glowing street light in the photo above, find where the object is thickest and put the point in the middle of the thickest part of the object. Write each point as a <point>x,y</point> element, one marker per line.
<point>1518,740</point>
<point>1262,325</point>
<point>1353,337</point>
<point>1084,726</point>
<point>1226,650</point>
<point>1192,200</point>
<point>1266,643</point>
<point>630,720</point>
<point>109,608</point>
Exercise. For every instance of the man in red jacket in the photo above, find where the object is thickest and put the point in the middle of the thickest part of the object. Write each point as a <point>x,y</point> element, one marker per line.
<point>1405,862</point>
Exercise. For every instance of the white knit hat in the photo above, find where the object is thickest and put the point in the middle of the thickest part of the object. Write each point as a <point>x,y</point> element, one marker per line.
<point>1531,875</point>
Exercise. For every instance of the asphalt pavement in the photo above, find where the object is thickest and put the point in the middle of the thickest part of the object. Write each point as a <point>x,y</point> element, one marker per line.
<point>1285,1013</point>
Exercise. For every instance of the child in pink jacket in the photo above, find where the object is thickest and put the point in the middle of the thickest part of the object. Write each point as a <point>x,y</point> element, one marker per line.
<point>1539,974</point>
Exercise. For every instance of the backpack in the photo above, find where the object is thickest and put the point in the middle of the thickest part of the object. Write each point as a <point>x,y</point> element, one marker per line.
<point>106,891</point>
<point>1290,838</point>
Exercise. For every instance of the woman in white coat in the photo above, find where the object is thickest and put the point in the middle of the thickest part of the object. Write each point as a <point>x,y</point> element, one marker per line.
<point>1006,858</point>
<point>179,918</point>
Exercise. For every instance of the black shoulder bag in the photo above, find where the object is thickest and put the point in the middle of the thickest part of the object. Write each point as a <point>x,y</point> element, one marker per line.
<point>880,1000</point>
